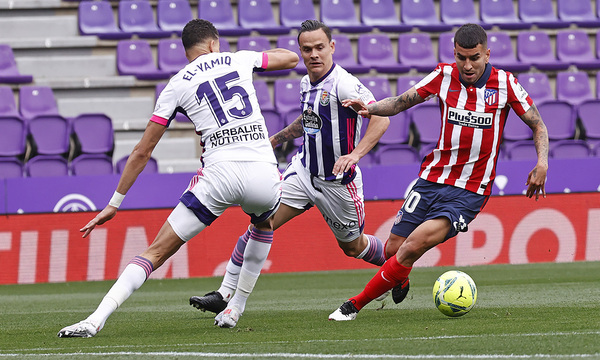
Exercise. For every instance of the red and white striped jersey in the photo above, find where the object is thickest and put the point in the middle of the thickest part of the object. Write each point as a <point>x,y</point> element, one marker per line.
<point>472,120</point>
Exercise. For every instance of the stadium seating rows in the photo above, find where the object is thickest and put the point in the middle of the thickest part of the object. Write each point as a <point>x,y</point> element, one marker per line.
<point>568,46</point>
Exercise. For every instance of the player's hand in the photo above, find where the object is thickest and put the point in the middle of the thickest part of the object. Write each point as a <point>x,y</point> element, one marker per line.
<point>344,164</point>
<point>108,213</point>
<point>536,182</point>
<point>358,106</point>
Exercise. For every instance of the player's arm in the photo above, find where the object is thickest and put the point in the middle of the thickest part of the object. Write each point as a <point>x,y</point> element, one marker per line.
<point>135,164</point>
<point>388,106</point>
<point>280,59</point>
<point>536,180</point>
<point>290,132</point>
<point>377,126</point>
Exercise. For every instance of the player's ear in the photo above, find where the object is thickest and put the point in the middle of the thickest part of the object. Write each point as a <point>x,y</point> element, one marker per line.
<point>214,46</point>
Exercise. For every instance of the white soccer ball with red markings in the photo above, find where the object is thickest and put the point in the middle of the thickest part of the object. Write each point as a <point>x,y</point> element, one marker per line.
<point>454,293</point>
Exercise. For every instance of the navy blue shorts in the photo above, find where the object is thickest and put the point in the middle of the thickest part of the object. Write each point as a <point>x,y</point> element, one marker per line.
<point>428,200</point>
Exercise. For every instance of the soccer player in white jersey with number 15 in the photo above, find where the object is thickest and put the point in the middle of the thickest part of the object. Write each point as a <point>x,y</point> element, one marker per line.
<point>215,91</point>
<point>456,178</point>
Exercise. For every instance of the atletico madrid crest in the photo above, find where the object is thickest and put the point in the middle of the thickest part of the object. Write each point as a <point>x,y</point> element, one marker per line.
<point>491,96</point>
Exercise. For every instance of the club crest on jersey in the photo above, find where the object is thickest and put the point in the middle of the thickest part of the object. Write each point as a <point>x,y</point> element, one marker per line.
<point>398,217</point>
<point>324,98</point>
<point>491,96</point>
<point>311,122</point>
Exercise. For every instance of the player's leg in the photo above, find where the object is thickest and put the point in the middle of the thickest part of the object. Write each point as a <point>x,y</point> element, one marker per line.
<point>166,243</point>
<point>396,269</point>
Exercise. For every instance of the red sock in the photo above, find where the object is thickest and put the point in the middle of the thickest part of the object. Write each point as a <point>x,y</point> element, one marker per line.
<point>390,275</point>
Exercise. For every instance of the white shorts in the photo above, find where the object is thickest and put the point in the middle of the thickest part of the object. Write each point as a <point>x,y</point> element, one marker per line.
<point>342,206</point>
<point>255,186</point>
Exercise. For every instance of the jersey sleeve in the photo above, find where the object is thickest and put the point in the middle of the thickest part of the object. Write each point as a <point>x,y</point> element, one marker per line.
<point>517,97</point>
<point>430,84</point>
<point>349,87</point>
<point>259,60</point>
<point>166,106</point>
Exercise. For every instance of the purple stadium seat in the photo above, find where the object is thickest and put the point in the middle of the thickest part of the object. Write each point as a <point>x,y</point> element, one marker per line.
<point>340,14</point>
<point>578,12</point>
<point>258,15</point>
<point>515,129</point>
<point>416,51</point>
<point>522,150</point>
<point>134,57</point>
<point>8,106</point>
<point>10,168</point>
<point>426,149</point>
<point>91,164</point>
<point>293,12</point>
<point>151,166</point>
<point>378,85</point>
<point>399,130</point>
<point>573,87</point>
<point>405,82</point>
<point>173,15</point>
<point>502,53</point>
<point>273,121</point>
<point>37,100</point>
<point>287,95</point>
<point>94,133</point>
<point>96,18</point>
<point>9,72</point>
<point>573,47</point>
<point>50,134</point>
<point>382,15</point>
<point>368,160</point>
<point>220,13</point>
<point>588,114</point>
<point>446,47</point>
<point>559,117</point>
<point>535,48</point>
<point>375,50</point>
<point>397,154</point>
<point>538,86</point>
<point>224,45</point>
<point>502,14</point>
<point>254,43</point>
<point>12,136</point>
<point>171,55</point>
<point>137,17</point>
<point>344,55</point>
<point>570,149</point>
<point>46,165</point>
<point>540,13</point>
<point>458,12</point>
<point>290,42</point>
<point>263,95</point>
<point>422,14</point>
<point>426,118</point>
<point>179,117</point>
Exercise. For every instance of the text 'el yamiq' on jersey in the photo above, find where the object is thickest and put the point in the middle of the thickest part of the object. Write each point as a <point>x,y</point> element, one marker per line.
<point>330,130</point>
<point>472,122</point>
<point>216,93</point>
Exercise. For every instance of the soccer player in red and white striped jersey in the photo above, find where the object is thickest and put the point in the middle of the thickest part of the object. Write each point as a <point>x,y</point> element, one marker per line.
<point>456,178</point>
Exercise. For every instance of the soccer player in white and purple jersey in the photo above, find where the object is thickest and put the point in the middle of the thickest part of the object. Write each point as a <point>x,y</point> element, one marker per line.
<point>324,172</point>
<point>455,180</point>
<point>215,91</point>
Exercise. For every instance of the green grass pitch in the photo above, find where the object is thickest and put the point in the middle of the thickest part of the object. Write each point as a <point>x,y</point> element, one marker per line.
<point>537,311</point>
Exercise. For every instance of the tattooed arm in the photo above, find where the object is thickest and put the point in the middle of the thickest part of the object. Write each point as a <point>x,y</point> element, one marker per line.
<point>536,180</point>
<point>290,132</point>
<point>387,107</point>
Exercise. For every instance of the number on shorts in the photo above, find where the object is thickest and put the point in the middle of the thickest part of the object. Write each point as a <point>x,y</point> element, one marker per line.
<point>411,202</point>
<point>225,93</point>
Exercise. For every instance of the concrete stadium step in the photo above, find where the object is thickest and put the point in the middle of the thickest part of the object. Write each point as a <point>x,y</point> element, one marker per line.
<point>40,27</point>
<point>168,151</point>
<point>81,66</point>
<point>170,166</point>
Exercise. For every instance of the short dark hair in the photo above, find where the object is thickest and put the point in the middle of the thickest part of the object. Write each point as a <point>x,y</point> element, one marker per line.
<point>469,36</point>
<point>313,25</point>
<point>198,31</point>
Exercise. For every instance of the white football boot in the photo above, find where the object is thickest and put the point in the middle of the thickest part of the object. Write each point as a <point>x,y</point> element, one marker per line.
<point>345,312</point>
<point>228,318</point>
<point>83,329</point>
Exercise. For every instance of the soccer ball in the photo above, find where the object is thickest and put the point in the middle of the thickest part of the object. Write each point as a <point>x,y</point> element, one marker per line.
<point>454,293</point>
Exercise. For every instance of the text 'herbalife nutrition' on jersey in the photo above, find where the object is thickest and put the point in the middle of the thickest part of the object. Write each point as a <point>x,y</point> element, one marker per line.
<point>206,65</point>
<point>241,133</point>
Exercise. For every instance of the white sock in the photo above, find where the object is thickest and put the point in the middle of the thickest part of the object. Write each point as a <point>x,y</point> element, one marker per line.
<point>134,275</point>
<point>256,253</point>
<point>230,280</point>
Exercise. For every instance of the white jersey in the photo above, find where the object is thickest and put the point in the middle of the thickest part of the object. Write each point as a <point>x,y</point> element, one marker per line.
<point>216,93</point>
<point>330,130</point>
